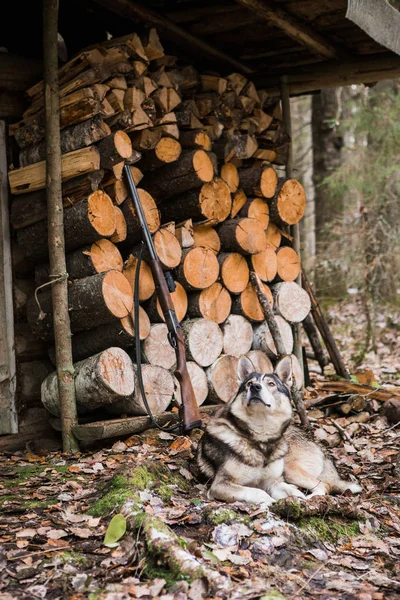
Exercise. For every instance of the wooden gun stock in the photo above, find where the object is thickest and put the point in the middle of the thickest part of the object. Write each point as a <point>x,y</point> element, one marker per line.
<point>189,409</point>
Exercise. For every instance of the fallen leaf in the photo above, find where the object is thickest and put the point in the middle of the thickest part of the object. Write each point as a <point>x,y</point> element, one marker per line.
<point>56,534</point>
<point>81,532</point>
<point>180,445</point>
<point>115,531</point>
<point>26,533</point>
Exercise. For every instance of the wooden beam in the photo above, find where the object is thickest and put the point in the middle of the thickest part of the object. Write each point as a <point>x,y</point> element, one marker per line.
<point>292,26</point>
<point>134,11</point>
<point>55,219</point>
<point>302,80</point>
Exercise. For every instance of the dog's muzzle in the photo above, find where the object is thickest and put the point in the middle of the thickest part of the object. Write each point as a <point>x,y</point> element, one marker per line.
<point>254,397</point>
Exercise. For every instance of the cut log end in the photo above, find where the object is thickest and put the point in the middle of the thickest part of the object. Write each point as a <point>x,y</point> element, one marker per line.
<point>234,271</point>
<point>289,205</point>
<point>101,213</point>
<point>213,303</point>
<point>223,380</point>
<point>113,372</point>
<point>263,339</point>
<point>120,227</point>
<point>117,294</point>
<point>123,144</point>
<point>180,302</point>
<point>156,348</point>
<point>238,335</point>
<point>273,236</point>
<point>199,269</point>
<point>230,175</point>
<point>146,281</point>
<point>203,166</point>
<point>205,236</point>
<point>269,182</point>
<point>204,340</point>
<point>291,301</point>
<point>168,248</point>
<point>248,305</point>
<point>128,323</point>
<point>288,264</point>
<point>105,256</point>
<point>265,264</point>
<point>256,208</point>
<point>168,150</point>
<point>199,382</point>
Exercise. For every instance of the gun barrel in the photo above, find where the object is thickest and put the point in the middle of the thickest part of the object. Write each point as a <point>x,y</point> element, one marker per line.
<point>142,220</point>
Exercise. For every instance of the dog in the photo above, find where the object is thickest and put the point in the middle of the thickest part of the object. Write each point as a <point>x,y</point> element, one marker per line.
<point>252,452</point>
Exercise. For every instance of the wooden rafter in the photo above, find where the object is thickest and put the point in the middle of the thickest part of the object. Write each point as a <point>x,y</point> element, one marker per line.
<point>135,11</point>
<point>292,26</point>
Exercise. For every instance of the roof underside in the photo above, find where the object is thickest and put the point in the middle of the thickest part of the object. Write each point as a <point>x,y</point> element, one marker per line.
<point>311,41</point>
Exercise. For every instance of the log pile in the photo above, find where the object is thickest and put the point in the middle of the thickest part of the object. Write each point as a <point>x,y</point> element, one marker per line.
<point>206,154</point>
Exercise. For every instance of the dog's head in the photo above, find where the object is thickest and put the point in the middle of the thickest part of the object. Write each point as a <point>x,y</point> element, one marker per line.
<point>264,392</point>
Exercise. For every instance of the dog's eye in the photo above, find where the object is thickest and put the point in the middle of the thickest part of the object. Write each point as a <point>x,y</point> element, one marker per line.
<point>271,384</point>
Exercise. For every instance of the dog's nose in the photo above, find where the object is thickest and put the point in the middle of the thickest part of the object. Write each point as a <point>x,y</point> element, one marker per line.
<point>255,387</point>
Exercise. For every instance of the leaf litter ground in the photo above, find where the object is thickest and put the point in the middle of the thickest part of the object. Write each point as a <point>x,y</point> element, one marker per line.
<point>56,508</point>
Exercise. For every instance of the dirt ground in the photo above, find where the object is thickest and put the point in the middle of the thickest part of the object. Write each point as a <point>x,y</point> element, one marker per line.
<point>56,509</point>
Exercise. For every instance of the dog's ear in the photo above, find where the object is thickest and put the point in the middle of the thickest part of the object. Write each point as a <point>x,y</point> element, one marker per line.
<point>284,371</point>
<point>245,368</point>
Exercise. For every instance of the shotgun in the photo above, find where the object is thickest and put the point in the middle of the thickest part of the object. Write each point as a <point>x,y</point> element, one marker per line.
<point>189,410</point>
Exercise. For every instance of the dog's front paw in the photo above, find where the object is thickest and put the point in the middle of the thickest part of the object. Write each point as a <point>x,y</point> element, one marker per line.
<point>261,497</point>
<point>285,490</point>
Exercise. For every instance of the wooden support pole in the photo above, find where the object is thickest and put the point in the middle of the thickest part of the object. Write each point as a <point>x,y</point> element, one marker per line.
<point>279,345</point>
<point>55,216</point>
<point>295,229</point>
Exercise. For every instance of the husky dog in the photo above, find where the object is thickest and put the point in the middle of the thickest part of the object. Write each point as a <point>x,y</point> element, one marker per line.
<point>251,452</point>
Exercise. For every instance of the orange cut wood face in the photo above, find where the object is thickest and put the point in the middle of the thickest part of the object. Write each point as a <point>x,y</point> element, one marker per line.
<point>105,256</point>
<point>101,213</point>
<point>150,210</point>
<point>168,150</point>
<point>235,272</point>
<point>201,268</point>
<point>205,236</point>
<point>230,175</point>
<point>215,303</point>
<point>250,303</point>
<point>146,281</point>
<point>215,200</point>
<point>128,323</point>
<point>168,248</point>
<point>123,144</point>
<point>180,302</point>
<point>250,235</point>
<point>121,228</point>
<point>273,236</point>
<point>265,264</point>
<point>114,369</point>
<point>202,165</point>
<point>288,263</point>
<point>269,182</point>
<point>291,201</point>
<point>117,294</point>
<point>259,210</point>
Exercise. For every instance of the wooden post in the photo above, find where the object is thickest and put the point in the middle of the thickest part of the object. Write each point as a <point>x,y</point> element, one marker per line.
<point>58,270</point>
<point>295,229</point>
<point>8,411</point>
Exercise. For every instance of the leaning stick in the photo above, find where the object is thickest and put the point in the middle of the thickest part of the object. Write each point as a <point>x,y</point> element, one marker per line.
<point>280,348</point>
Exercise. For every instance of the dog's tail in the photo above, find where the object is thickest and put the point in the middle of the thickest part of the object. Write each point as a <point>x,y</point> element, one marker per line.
<point>341,485</point>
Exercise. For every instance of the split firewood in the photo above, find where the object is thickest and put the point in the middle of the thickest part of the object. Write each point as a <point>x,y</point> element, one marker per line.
<point>212,303</point>
<point>99,381</point>
<point>238,335</point>
<point>203,340</point>
<point>115,148</point>
<point>258,181</point>
<point>184,233</point>
<point>87,221</point>
<point>166,151</point>
<point>89,260</point>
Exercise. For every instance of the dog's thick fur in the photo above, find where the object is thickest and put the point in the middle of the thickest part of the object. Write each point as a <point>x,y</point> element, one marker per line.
<point>251,452</point>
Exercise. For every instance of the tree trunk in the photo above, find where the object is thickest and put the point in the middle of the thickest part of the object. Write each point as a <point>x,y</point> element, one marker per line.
<point>85,222</point>
<point>260,361</point>
<point>222,378</point>
<point>258,181</point>
<point>246,236</point>
<point>213,303</point>
<point>263,338</point>
<point>151,214</point>
<point>99,380</point>
<point>198,270</point>
<point>234,271</point>
<point>212,201</point>
<point>291,301</point>
<point>205,236</point>
<point>288,264</point>
<point>238,335</point>
<point>265,264</point>
<point>92,301</point>
<point>119,333</point>
<point>194,168</point>
<point>156,349</point>
<point>159,389</point>
<point>203,340</point>
<point>72,138</point>
<point>101,256</point>
<point>199,382</point>
<point>248,305</point>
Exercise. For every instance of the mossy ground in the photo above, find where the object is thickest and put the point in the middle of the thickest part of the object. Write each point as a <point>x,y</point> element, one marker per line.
<point>328,530</point>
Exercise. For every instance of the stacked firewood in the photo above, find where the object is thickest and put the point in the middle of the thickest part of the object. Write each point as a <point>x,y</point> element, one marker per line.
<point>201,149</point>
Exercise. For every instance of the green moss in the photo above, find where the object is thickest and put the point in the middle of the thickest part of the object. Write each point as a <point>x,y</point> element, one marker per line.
<point>328,530</point>
<point>25,504</point>
<point>273,595</point>
<point>196,502</point>
<point>154,570</point>
<point>76,558</point>
<point>141,478</point>
<point>119,491</point>
<point>216,516</point>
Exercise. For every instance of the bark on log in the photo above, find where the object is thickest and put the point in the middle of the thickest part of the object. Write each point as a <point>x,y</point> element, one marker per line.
<point>192,170</point>
<point>33,177</point>
<point>248,305</point>
<point>151,214</point>
<point>198,270</point>
<point>166,151</point>
<point>120,334</point>
<point>213,303</point>
<point>291,301</point>
<point>263,339</point>
<point>146,281</point>
<point>87,221</point>
<point>92,301</point>
<point>239,199</point>
<point>195,138</point>
<point>260,361</point>
<point>230,175</point>
<point>205,236</point>
<point>288,264</point>
<point>265,264</point>
<point>212,201</point>
<point>156,349</point>
<point>159,389</point>
<point>99,380</point>
<point>256,208</point>
<point>238,335</point>
<point>222,379</point>
<point>199,384</point>
<point>203,340</point>
<point>72,138</point>
<point>289,203</point>
<point>99,257</point>
<point>115,148</point>
<point>234,271</point>
<point>121,229</point>
<point>246,236</point>
<point>180,302</point>
<point>258,181</point>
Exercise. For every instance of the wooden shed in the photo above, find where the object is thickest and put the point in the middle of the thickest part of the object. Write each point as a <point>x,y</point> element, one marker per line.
<point>307,44</point>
